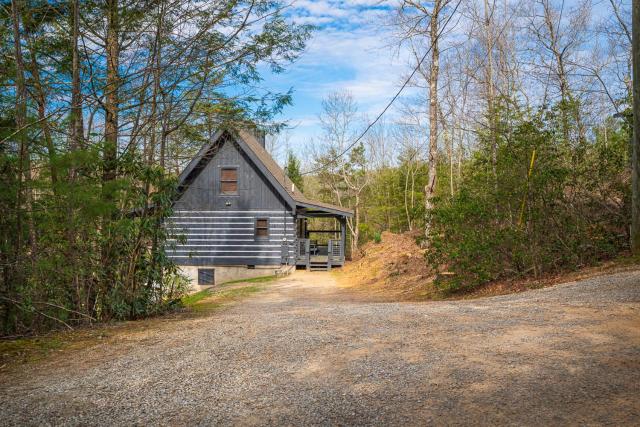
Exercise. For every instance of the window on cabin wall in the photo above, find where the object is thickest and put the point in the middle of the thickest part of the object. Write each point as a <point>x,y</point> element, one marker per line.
<point>229,181</point>
<point>262,228</point>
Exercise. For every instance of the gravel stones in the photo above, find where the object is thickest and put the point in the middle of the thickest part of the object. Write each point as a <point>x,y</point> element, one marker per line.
<point>305,352</point>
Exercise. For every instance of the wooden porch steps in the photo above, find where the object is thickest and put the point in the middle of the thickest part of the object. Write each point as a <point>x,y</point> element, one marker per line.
<point>285,271</point>
<point>319,266</point>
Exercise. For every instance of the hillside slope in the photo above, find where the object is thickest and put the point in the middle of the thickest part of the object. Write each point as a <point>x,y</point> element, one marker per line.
<point>395,268</point>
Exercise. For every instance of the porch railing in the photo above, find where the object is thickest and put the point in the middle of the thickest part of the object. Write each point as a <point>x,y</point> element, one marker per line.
<point>303,253</point>
<point>333,250</point>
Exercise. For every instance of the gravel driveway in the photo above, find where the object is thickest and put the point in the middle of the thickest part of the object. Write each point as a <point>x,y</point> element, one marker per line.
<point>305,352</point>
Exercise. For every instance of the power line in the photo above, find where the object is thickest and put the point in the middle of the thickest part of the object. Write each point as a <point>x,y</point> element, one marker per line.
<point>404,85</point>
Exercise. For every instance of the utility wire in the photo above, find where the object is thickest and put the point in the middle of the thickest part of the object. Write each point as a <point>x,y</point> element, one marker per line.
<point>404,85</point>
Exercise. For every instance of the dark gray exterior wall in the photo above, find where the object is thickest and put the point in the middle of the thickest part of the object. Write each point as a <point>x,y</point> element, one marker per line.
<point>254,191</point>
<point>220,229</point>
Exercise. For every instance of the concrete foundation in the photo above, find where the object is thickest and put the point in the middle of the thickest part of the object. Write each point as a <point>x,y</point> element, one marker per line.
<point>227,273</point>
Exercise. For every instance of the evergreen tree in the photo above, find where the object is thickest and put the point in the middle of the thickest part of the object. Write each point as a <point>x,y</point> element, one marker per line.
<point>292,169</point>
<point>93,134</point>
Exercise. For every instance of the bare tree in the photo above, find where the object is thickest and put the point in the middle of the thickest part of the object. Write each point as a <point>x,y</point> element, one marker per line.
<point>410,144</point>
<point>418,22</point>
<point>560,32</point>
<point>346,177</point>
<point>635,158</point>
<point>489,45</point>
<point>279,144</point>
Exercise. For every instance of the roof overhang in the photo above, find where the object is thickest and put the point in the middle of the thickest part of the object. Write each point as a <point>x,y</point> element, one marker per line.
<point>318,210</point>
<point>256,160</point>
<point>182,178</point>
<point>297,202</point>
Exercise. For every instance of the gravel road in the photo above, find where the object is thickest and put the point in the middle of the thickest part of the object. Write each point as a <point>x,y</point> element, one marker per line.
<point>304,352</point>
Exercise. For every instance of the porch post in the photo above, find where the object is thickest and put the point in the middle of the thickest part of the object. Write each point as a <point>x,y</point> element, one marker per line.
<point>343,237</point>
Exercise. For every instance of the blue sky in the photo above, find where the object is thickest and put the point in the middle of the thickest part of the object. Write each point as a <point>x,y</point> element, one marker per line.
<point>351,50</point>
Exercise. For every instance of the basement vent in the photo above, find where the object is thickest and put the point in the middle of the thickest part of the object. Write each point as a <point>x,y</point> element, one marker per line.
<point>206,276</point>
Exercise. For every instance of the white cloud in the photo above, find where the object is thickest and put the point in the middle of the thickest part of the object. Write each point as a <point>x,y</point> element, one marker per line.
<point>353,51</point>
<point>320,8</point>
<point>365,62</point>
<point>313,20</point>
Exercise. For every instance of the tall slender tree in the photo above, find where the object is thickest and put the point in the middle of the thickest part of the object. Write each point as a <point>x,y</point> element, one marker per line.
<point>635,145</point>
<point>420,25</point>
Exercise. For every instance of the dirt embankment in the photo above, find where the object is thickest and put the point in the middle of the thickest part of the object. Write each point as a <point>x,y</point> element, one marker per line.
<point>393,269</point>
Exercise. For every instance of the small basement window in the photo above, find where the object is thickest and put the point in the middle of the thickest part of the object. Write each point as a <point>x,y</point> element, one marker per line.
<point>262,227</point>
<point>229,181</point>
<point>206,276</point>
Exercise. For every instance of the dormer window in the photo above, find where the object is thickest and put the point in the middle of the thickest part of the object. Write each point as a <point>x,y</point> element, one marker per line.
<point>229,181</point>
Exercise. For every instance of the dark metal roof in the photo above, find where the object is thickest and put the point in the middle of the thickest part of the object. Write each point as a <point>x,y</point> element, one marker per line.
<point>272,171</point>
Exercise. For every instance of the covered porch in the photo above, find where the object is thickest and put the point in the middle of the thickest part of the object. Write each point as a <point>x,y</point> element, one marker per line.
<point>320,238</point>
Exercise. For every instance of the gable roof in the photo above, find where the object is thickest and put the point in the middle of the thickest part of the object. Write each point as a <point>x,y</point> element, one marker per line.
<point>268,166</point>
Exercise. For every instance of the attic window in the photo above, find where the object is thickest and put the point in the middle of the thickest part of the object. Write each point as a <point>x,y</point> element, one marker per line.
<point>262,227</point>
<point>229,181</point>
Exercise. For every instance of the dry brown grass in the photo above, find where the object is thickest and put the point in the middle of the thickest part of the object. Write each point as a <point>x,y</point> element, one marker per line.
<point>394,269</point>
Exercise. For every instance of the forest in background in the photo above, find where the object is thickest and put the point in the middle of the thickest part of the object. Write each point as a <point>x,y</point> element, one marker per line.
<point>512,155</point>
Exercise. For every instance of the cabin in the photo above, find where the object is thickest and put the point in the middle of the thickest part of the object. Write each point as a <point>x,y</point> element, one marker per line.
<point>237,216</point>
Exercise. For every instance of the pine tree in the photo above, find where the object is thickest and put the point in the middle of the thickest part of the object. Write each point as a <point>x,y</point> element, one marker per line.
<point>292,169</point>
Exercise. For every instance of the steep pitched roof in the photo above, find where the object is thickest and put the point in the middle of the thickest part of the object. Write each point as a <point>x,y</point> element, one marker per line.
<point>273,172</point>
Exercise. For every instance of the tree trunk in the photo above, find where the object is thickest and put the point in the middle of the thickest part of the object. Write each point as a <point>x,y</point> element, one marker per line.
<point>355,231</point>
<point>77,125</point>
<point>430,188</point>
<point>110,153</point>
<point>488,28</point>
<point>635,158</point>
<point>24,180</point>
<point>110,150</point>
<point>406,198</point>
<point>451,188</point>
<point>13,278</point>
<point>157,58</point>
<point>40,99</point>
<point>153,120</point>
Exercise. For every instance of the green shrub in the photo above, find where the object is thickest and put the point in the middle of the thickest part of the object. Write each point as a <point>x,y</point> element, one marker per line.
<point>570,212</point>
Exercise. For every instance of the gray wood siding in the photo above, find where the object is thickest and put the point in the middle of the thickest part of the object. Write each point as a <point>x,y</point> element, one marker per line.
<point>254,191</point>
<point>228,238</point>
<point>209,228</point>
